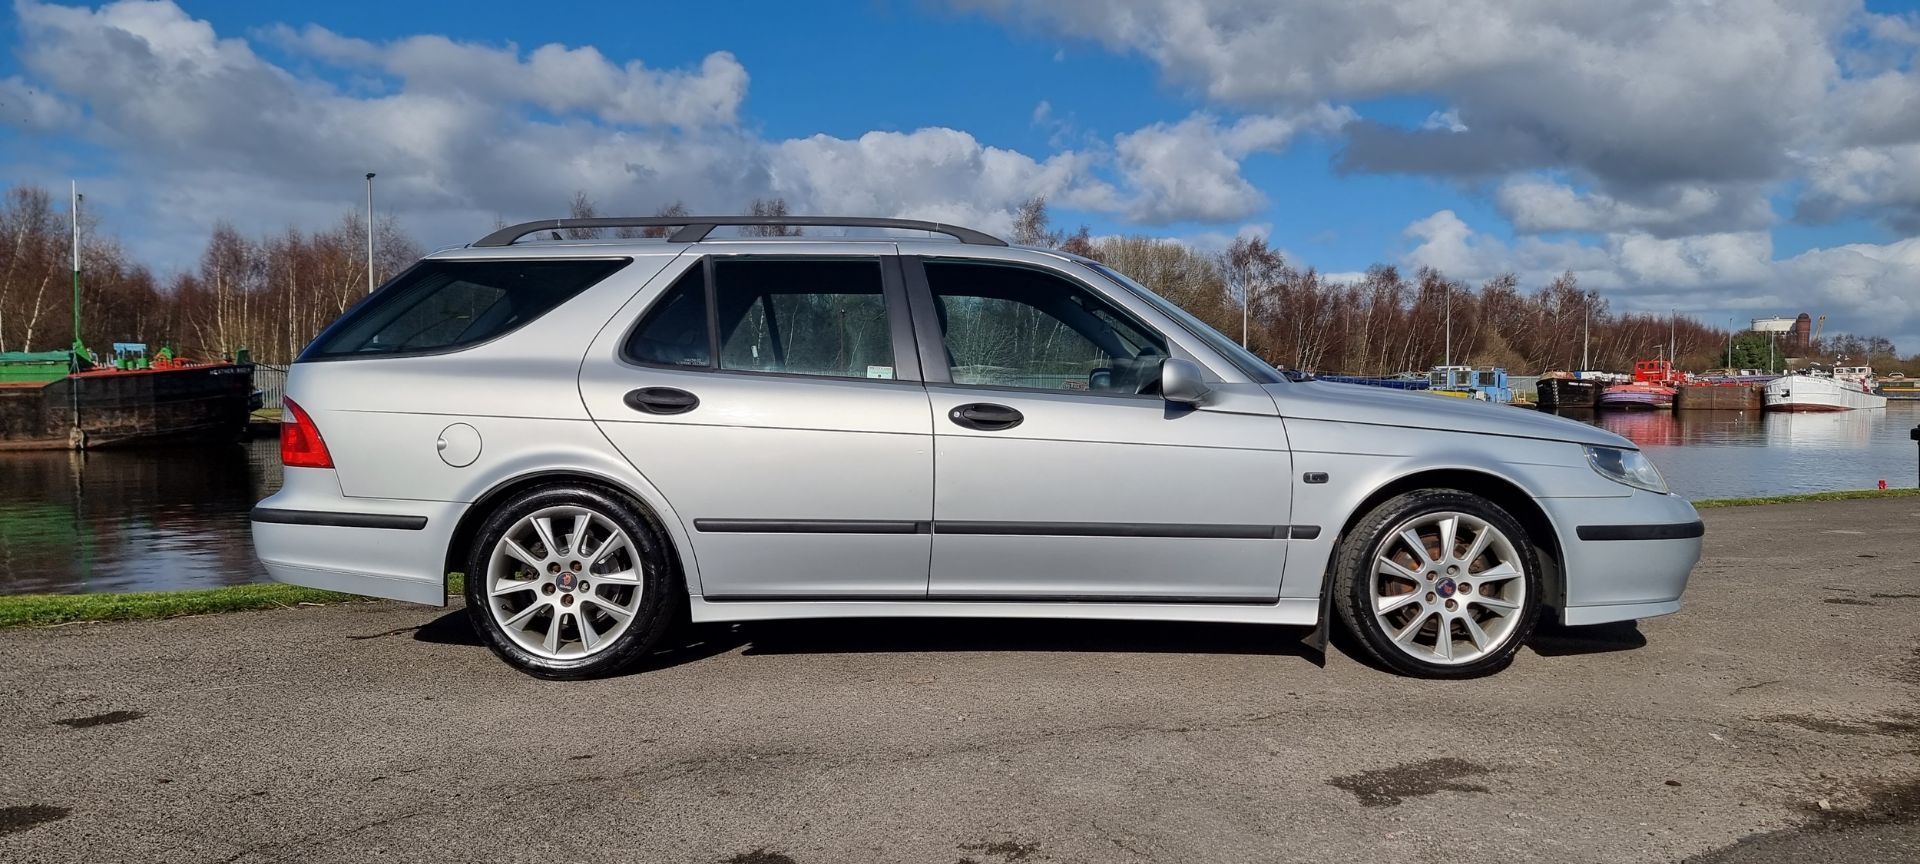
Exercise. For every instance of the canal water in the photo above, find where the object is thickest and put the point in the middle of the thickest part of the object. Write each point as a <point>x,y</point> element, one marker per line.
<point>160,520</point>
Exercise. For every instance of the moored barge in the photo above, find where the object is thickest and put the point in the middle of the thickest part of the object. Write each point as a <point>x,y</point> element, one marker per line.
<point>43,406</point>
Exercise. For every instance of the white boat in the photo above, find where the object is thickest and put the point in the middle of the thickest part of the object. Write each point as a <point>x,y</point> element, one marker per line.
<point>1846,388</point>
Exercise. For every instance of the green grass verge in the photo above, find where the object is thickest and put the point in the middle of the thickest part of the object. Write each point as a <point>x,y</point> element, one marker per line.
<point>1848,495</point>
<point>40,610</point>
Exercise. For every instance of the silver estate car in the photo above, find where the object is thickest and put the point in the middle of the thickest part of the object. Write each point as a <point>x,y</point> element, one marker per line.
<point>610,437</point>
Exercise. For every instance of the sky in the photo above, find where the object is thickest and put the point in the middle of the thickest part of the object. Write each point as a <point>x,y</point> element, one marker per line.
<point>1727,159</point>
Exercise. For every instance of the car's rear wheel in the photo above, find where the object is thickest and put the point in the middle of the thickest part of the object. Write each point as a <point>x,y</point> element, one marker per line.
<point>1438,583</point>
<point>568,582</point>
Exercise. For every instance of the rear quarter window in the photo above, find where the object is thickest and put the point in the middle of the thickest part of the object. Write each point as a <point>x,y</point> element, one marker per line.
<point>441,306</point>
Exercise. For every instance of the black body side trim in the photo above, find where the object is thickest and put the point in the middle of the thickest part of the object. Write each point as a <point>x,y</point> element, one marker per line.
<point>1007,529</point>
<point>1114,529</point>
<point>811,526</point>
<point>333,519</point>
<point>1676,531</point>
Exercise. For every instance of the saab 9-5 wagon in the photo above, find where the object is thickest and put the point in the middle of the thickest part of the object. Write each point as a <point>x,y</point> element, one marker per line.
<point>608,437</point>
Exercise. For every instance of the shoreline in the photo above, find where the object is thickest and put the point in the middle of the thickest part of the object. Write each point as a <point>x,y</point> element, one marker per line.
<point>51,610</point>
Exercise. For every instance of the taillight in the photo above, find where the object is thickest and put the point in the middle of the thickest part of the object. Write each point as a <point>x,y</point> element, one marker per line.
<point>300,442</point>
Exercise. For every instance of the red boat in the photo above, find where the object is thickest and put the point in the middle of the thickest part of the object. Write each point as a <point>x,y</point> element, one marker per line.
<point>1654,385</point>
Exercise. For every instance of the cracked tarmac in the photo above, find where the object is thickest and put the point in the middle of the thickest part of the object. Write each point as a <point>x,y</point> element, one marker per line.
<point>379,731</point>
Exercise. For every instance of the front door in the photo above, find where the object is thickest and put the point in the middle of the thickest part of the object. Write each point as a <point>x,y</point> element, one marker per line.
<point>1060,474</point>
<point>766,399</point>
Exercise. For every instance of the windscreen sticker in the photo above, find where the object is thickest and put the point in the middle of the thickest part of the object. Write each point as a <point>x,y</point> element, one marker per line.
<point>879,371</point>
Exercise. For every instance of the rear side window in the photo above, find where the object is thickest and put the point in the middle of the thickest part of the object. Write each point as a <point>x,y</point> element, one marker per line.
<point>820,317</point>
<point>441,306</point>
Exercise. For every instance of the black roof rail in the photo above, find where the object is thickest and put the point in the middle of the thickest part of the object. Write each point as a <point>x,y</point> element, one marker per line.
<point>693,229</point>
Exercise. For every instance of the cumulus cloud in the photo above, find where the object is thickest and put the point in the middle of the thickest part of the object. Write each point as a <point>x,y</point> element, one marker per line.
<point>1863,287</point>
<point>1536,205</point>
<point>1190,170</point>
<point>463,133</point>
<point>1639,100</point>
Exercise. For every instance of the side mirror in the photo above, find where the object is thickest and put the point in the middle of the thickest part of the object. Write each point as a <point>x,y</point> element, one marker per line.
<point>1181,381</point>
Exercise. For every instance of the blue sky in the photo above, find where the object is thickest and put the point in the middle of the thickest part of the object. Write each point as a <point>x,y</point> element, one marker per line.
<point>1739,159</point>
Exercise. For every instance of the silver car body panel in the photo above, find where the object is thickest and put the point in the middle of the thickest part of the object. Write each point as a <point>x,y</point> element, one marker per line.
<point>1096,506</point>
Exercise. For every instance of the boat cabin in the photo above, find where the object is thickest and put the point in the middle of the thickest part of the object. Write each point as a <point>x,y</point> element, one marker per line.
<point>1486,383</point>
<point>1653,372</point>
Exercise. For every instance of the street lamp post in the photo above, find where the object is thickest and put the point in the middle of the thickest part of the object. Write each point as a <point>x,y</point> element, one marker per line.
<point>369,232</point>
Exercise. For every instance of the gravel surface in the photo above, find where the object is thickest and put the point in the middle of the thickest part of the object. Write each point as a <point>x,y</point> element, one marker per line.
<point>1775,719</point>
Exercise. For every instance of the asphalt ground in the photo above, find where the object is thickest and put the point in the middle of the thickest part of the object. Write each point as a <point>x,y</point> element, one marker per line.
<point>1774,719</point>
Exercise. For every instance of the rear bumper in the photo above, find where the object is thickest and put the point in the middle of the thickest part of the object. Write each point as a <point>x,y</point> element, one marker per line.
<point>308,534</point>
<point>1624,558</point>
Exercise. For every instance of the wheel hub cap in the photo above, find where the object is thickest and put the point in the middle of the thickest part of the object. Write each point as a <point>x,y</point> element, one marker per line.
<point>567,580</point>
<point>1445,587</point>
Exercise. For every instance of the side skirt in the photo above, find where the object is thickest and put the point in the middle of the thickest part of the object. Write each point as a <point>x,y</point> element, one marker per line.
<point>1289,611</point>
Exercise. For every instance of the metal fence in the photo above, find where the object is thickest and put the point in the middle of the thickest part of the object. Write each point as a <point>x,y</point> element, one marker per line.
<point>271,381</point>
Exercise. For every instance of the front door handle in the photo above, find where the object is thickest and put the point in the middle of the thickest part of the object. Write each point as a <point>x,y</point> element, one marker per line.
<point>661,400</point>
<point>986,416</point>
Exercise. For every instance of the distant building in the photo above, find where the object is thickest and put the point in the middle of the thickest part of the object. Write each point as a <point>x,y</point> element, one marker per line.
<point>1795,333</point>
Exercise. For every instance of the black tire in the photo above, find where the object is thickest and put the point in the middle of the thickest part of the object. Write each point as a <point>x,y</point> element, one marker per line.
<point>1354,565</point>
<point>660,588</point>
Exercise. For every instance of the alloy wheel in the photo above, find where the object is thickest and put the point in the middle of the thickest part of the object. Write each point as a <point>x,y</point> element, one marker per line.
<point>1447,588</point>
<point>564,582</point>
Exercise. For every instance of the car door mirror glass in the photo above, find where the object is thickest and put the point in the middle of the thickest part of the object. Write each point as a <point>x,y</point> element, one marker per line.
<point>1182,381</point>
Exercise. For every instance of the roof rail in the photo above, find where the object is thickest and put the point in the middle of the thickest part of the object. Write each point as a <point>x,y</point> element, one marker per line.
<point>693,229</point>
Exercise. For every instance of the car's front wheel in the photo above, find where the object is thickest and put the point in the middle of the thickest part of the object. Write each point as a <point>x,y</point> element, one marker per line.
<point>1438,583</point>
<point>568,582</point>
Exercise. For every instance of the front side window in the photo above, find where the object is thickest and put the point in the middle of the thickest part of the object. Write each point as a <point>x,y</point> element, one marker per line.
<point>820,317</point>
<point>1018,327</point>
<point>439,306</point>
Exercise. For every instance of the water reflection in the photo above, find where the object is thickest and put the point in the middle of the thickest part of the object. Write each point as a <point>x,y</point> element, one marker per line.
<point>131,520</point>
<point>1726,454</point>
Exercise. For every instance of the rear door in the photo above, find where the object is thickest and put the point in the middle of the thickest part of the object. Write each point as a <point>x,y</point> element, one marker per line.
<point>775,401</point>
<point>1061,475</point>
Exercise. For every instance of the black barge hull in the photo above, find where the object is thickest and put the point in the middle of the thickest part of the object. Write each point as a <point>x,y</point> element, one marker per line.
<point>91,410</point>
<point>1557,393</point>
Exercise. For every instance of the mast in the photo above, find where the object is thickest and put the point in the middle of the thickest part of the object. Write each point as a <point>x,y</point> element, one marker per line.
<point>1448,361</point>
<point>73,207</point>
<point>1673,326</point>
<point>1586,335</point>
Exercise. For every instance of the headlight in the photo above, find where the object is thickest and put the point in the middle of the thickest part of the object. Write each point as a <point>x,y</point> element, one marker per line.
<point>1626,466</point>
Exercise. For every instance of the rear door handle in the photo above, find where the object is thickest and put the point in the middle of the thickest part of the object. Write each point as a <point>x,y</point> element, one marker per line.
<point>985,416</point>
<point>661,400</point>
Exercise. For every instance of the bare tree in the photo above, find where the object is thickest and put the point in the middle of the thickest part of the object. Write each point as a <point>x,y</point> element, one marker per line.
<point>582,208</point>
<point>1249,266</point>
<point>769,207</point>
<point>671,210</point>
<point>1030,224</point>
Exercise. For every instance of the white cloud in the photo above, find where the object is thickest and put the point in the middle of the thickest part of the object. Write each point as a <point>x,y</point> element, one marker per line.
<point>27,107</point>
<point>462,133</point>
<point>1864,288</point>
<point>1536,205</point>
<point>1190,170</point>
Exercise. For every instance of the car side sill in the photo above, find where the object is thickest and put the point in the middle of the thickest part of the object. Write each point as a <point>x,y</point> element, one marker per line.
<point>1287,611</point>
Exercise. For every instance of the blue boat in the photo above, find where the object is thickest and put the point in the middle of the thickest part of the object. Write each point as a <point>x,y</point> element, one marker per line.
<point>1485,383</point>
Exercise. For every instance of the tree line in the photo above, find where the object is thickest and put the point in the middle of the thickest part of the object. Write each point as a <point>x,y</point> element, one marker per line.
<point>271,293</point>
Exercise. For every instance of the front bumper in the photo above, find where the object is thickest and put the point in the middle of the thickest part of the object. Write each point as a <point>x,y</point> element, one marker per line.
<point>309,534</point>
<point>1624,558</point>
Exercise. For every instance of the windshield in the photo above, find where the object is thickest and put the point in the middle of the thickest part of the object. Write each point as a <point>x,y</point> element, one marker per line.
<point>1246,361</point>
